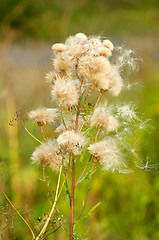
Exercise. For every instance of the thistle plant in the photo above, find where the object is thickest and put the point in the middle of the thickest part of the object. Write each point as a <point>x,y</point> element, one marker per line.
<point>84,73</point>
<point>86,77</point>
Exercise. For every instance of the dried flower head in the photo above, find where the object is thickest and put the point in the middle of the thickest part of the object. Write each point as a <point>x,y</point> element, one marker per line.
<point>58,47</point>
<point>48,154</point>
<point>65,91</point>
<point>115,82</point>
<point>64,63</point>
<point>107,153</point>
<point>102,118</point>
<point>108,44</point>
<point>50,77</point>
<point>44,115</point>
<point>81,37</point>
<point>102,51</point>
<point>69,141</point>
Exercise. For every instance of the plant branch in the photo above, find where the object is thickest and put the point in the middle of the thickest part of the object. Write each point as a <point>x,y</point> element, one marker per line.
<point>47,184</point>
<point>18,213</point>
<point>72,198</point>
<point>83,171</point>
<point>87,192</point>
<point>68,114</point>
<point>42,132</point>
<point>99,128</point>
<point>60,109</point>
<point>100,95</point>
<point>30,133</point>
<point>53,207</point>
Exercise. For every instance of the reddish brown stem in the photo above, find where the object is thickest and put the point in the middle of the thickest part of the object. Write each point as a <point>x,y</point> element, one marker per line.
<point>72,199</point>
<point>100,95</point>
<point>99,128</point>
<point>42,132</point>
<point>84,101</point>
<point>87,192</point>
<point>62,117</point>
<point>83,172</point>
<point>68,114</point>
<point>47,185</point>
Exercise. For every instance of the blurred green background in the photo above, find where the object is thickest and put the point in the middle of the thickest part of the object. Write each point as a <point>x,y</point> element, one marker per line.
<point>130,206</point>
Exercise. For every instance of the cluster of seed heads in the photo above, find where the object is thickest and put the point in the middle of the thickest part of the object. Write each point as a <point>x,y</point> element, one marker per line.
<point>82,67</point>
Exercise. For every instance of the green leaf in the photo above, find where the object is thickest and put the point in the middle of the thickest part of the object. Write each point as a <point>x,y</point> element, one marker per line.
<point>85,177</point>
<point>88,129</point>
<point>67,192</point>
<point>90,211</point>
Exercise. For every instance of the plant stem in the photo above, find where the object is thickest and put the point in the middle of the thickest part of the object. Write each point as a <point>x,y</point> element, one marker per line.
<point>18,213</point>
<point>87,192</point>
<point>30,133</point>
<point>83,171</point>
<point>99,128</point>
<point>84,101</point>
<point>68,114</point>
<point>63,183</point>
<point>47,184</point>
<point>53,207</point>
<point>60,109</point>
<point>42,132</point>
<point>72,199</point>
<point>100,95</point>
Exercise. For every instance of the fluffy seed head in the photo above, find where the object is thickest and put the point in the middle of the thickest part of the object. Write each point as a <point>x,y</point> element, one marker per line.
<point>58,47</point>
<point>115,82</point>
<point>106,52</point>
<point>64,63</point>
<point>107,153</point>
<point>84,67</point>
<point>108,44</point>
<point>69,141</point>
<point>81,37</point>
<point>44,115</point>
<point>65,92</point>
<point>50,77</point>
<point>100,64</point>
<point>101,118</point>
<point>100,81</point>
<point>94,70</point>
<point>47,154</point>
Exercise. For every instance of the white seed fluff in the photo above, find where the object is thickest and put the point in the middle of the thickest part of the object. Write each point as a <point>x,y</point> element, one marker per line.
<point>58,47</point>
<point>65,92</point>
<point>107,153</point>
<point>108,44</point>
<point>48,154</point>
<point>69,141</point>
<point>102,118</point>
<point>44,115</point>
<point>81,37</point>
<point>115,82</point>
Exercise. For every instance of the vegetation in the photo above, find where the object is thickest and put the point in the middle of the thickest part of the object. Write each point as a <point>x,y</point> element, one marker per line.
<point>129,202</point>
